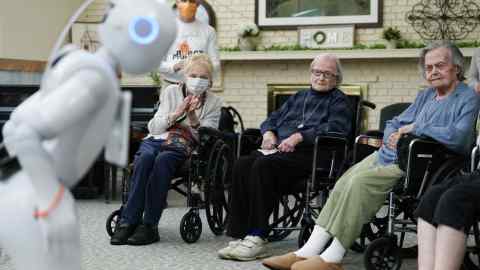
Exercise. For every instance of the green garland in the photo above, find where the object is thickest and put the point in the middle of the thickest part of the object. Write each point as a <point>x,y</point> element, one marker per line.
<point>403,44</point>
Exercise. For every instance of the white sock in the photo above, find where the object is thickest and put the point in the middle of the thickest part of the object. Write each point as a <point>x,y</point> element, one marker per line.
<point>334,253</point>
<point>315,244</point>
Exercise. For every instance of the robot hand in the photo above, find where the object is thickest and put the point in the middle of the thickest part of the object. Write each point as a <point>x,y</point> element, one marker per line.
<point>59,228</point>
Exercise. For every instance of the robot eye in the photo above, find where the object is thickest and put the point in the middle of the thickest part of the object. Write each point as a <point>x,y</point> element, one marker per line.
<point>143,29</point>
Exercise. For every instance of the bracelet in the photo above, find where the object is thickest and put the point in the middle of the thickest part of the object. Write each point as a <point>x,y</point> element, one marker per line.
<point>56,201</point>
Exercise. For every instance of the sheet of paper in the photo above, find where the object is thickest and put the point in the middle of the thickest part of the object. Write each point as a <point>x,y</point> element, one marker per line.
<point>267,152</point>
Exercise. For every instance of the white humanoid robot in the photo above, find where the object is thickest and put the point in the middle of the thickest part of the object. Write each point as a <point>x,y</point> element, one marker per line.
<point>53,138</point>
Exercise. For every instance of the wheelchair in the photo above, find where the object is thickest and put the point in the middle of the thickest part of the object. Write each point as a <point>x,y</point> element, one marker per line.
<point>471,261</point>
<point>428,163</point>
<point>297,208</point>
<point>203,179</point>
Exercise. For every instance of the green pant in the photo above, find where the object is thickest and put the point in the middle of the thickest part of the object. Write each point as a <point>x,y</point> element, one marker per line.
<point>356,198</point>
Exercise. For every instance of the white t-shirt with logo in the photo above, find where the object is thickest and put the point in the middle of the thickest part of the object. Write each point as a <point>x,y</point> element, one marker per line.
<point>192,38</point>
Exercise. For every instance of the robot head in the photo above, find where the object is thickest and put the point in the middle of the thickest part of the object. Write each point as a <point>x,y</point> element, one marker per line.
<point>138,33</point>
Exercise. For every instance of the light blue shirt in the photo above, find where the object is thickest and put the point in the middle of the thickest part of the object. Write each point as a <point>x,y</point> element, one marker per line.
<point>450,121</point>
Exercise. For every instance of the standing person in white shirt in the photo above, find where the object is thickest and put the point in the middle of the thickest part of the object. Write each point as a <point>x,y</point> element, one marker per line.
<point>193,37</point>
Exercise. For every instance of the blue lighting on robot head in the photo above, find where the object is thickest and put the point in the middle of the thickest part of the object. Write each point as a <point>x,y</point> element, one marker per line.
<point>143,29</point>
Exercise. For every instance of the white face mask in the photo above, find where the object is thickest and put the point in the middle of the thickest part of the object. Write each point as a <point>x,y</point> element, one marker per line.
<point>197,86</point>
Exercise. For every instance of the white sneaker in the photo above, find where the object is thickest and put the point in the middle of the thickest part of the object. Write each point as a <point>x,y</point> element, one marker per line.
<point>250,248</point>
<point>224,253</point>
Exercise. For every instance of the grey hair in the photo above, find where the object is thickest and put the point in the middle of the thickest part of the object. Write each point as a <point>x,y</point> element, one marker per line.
<point>200,59</point>
<point>337,63</point>
<point>456,57</point>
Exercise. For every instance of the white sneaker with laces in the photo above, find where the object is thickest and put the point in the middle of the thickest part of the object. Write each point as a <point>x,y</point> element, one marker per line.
<point>250,248</point>
<point>224,253</point>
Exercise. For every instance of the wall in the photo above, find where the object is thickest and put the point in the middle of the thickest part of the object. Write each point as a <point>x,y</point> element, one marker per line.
<point>29,28</point>
<point>245,82</point>
<point>231,14</point>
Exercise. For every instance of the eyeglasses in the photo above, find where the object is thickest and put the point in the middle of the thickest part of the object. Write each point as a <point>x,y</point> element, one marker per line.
<point>326,74</point>
<point>441,66</point>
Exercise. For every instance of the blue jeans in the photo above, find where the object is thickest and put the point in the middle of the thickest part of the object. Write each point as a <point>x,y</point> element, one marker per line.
<point>153,171</point>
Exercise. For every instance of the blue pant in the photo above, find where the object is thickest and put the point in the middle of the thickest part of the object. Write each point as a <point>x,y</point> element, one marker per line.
<point>154,169</point>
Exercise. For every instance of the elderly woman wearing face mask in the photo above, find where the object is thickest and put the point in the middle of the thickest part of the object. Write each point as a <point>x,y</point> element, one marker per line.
<point>172,135</point>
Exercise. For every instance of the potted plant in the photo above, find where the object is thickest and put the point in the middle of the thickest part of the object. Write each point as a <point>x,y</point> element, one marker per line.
<point>157,80</point>
<point>248,37</point>
<point>392,36</point>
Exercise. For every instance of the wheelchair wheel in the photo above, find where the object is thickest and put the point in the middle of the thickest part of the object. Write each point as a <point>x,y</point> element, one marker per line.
<point>304,234</point>
<point>191,227</point>
<point>382,254</point>
<point>112,221</point>
<point>470,261</point>
<point>287,214</point>
<point>216,189</point>
<point>376,228</point>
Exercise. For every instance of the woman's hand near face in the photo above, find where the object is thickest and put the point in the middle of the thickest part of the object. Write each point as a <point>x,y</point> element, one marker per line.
<point>195,103</point>
<point>183,107</point>
<point>191,115</point>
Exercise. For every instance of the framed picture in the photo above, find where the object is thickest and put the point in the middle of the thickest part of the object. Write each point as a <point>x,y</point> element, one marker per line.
<point>85,36</point>
<point>292,13</point>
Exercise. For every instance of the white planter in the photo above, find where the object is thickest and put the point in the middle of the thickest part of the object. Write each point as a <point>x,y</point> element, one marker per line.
<point>248,43</point>
<point>391,44</point>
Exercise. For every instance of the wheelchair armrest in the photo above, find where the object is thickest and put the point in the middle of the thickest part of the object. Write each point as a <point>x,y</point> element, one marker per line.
<point>249,140</point>
<point>208,131</point>
<point>418,147</point>
<point>369,104</point>
<point>425,147</point>
<point>254,132</point>
<point>474,159</point>
<point>330,141</point>
<point>138,131</point>
<point>209,136</point>
<point>373,140</point>
<point>423,152</point>
<point>374,133</point>
<point>331,147</point>
<point>139,127</point>
<point>365,145</point>
<point>426,144</point>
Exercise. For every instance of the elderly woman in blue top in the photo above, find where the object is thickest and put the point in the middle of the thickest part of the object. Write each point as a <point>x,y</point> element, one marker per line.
<point>257,178</point>
<point>445,111</point>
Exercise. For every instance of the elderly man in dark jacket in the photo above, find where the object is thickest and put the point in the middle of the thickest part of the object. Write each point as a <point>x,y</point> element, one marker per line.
<point>286,156</point>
